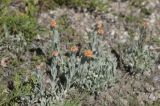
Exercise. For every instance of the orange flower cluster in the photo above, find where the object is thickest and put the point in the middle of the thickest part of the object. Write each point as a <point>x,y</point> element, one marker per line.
<point>145,24</point>
<point>101,29</point>
<point>74,49</point>
<point>55,53</point>
<point>88,53</point>
<point>53,23</point>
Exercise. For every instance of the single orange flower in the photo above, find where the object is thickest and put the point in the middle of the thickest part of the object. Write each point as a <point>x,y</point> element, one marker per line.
<point>101,29</point>
<point>53,23</point>
<point>88,53</point>
<point>55,53</point>
<point>145,24</point>
<point>74,49</point>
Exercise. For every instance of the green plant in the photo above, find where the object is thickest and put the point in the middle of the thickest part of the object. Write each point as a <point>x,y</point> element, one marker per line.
<point>99,71</point>
<point>17,43</point>
<point>100,5</point>
<point>77,72</point>
<point>137,57</point>
<point>71,103</point>
<point>20,89</point>
<point>18,22</point>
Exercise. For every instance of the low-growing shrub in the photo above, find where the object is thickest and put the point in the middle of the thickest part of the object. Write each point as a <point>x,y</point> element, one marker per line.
<point>99,5</point>
<point>17,21</point>
<point>90,70</point>
<point>138,60</point>
<point>23,24</point>
<point>137,56</point>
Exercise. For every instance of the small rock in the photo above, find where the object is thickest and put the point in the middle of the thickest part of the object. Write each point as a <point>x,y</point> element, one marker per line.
<point>148,87</point>
<point>156,81</point>
<point>124,101</point>
<point>156,78</point>
<point>147,73</point>
<point>88,29</point>
<point>157,94</point>
<point>159,67</point>
<point>142,97</point>
<point>109,98</point>
<point>152,97</point>
<point>137,85</point>
<point>136,38</point>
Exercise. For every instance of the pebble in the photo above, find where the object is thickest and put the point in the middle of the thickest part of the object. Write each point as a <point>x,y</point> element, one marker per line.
<point>159,67</point>
<point>156,78</point>
<point>149,87</point>
<point>124,101</point>
<point>152,97</point>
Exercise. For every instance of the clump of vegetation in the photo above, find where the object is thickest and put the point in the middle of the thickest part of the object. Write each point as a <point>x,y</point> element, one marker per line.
<point>97,66</point>
<point>99,5</point>
<point>17,21</point>
<point>20,24</point>
<point>138,57</point>
<point>88,70</point>
<point>18,88</point>
<point>138,60</point>
<point>85,69</point>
